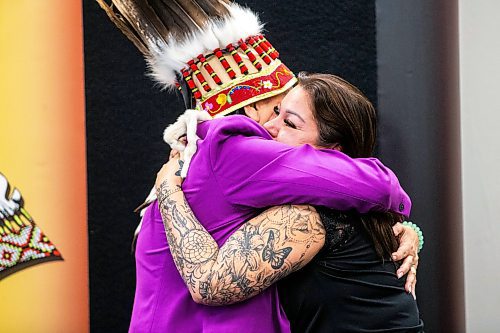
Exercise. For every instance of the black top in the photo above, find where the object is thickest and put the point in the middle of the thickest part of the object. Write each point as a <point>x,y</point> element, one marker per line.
<point>347,287</point>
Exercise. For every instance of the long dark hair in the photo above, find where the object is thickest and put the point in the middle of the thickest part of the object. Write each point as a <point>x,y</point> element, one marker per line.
<point>347,118</point>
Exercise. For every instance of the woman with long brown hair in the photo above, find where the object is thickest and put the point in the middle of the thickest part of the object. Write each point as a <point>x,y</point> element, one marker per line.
<point>351,284</point>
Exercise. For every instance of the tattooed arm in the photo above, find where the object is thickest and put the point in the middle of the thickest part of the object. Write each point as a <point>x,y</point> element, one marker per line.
<point>265,249</point>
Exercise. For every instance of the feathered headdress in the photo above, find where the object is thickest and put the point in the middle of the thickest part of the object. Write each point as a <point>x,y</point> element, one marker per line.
<point>213,51</point>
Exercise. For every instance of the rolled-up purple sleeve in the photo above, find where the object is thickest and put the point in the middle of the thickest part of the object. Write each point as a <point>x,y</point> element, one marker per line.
<point>254,171</point>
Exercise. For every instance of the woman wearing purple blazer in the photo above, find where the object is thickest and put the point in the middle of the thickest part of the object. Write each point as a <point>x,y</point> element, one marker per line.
<point>215,53</point>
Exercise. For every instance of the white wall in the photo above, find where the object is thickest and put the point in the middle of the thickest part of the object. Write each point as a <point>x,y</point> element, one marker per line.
<point>480,125</point>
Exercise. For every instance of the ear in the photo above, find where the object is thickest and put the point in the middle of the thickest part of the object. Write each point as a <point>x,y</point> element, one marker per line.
<point>336,146</point>
<point>252,112</point>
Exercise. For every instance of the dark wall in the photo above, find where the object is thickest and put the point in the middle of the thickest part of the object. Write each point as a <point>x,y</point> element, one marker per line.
<point>419,121</point>
<point>126,115</point>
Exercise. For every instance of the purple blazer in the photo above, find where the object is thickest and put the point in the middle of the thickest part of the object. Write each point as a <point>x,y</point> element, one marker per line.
<point>237,171</point>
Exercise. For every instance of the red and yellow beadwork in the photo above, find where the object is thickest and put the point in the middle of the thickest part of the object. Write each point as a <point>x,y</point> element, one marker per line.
<point>273,80</point>
<point>241,73</point>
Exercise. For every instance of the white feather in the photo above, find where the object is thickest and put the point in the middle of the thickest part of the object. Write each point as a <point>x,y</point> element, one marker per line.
<point>240,24</point>
<point>176,52</point>
<point>193,46</point>
<point>244,22</point>
<point>208,38</point>
<point>162,73</point>
<point>173,58</point>
<point>217,33</point>
<point>223,30</point>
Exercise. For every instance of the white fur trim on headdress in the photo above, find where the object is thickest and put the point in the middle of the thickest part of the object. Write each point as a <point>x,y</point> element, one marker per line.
<point>186,125</point>
<point>240,24</point>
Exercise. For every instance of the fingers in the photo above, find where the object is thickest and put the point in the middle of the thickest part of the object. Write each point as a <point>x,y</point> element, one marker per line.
<point>174,154</point>
<point>403,251</point>
<point>398,229</point>
<point>408,243</point>
<point>414,284</point>
<point>411,237</point>
<point>405,266</point>
<point>413,269</point>
<point>408,252</point>
<point>409,266</point>
<point>168,168</point>
<point>411,281</point>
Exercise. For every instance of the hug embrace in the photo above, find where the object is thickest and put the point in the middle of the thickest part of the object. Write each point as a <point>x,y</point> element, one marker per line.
<point>275,219</point>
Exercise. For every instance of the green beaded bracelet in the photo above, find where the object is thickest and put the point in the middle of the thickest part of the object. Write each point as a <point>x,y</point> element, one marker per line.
<point>419,233</point>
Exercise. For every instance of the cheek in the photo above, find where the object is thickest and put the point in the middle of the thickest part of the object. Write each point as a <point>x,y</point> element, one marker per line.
<point>311,138</point>
<point>281,136</point>
<point>289,137</point>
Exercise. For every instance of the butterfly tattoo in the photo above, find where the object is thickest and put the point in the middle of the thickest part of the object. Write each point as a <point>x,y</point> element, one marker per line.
<point>181,164</point>
<point>275,257</point>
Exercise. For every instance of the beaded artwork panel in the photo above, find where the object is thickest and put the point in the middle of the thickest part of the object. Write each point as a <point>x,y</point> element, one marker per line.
<point>22,242</point>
